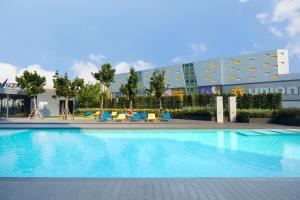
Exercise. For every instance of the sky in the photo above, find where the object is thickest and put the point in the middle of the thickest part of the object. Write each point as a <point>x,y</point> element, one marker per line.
<point>76,37</point>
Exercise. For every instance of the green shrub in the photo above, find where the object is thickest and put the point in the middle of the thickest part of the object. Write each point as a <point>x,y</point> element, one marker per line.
<point>288,113</point>
<point>256,113</point>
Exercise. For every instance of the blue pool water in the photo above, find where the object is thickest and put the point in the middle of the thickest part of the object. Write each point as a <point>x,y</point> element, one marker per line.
<point>149,153</point>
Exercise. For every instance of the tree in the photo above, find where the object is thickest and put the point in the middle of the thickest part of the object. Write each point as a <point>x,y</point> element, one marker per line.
<point>130,89</point>
<point>105,76</point>
<point>158,86</point>
<point>69,89</point>
<point>33,85</point>
<point>90,95</point>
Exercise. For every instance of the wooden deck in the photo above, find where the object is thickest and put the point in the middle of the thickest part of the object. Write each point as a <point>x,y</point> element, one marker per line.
<point>137,189</point>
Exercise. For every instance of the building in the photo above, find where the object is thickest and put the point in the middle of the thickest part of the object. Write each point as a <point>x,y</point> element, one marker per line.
<point>262,72</point>
<point>14,103</point>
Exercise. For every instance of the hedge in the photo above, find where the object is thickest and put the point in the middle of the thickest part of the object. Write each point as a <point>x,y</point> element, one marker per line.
<point>247,101</point>
<point>256,113</point>
<point>288,113</point>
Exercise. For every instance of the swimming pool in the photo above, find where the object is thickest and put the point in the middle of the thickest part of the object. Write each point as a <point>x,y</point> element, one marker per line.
<point>149,153</point>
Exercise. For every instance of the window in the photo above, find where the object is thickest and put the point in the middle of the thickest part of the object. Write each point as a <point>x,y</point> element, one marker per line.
<point>252,59</point>
<point>275,75</point>
<point>252,77</point>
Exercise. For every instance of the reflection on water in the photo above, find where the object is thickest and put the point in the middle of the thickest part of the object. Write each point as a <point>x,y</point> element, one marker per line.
<point>193,153</point>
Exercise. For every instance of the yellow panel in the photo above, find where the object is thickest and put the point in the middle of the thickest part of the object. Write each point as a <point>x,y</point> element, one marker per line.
<point>212,64</point>
<point>267,64</point>
<point>231,77</point>
<point>275,75</point>
<point>274,57</point>
<point>178,79</point>
<point>237,62</point>
<point>252,68</point>
<point>207,78</point>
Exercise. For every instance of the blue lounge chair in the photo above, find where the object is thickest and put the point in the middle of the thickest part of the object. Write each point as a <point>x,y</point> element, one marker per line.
<point>144,115</point>
<point>166,117</point>
<point>136,117</point>
<point>106,117</point>
<point>87,113</point>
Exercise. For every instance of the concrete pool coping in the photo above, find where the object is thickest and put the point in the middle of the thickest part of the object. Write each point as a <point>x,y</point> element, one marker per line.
<point>175,124</point>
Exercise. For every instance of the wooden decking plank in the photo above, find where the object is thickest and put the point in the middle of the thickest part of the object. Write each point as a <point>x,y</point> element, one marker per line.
<point>190,190</point>
<point>166,190</point>
<point>140,190</point>
<point>174,191</point>
<point>199,190</point>
<point>158,190</point>
<point>149,190</point>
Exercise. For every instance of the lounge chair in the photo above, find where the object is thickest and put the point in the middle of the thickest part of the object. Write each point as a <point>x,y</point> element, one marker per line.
<point>105,117</point>
<point>144,115</point>
<point>121,117</point>
<point>136,117</point>
<point>96,114</point>
<point>151,117</point>
<point>87,113</point>
<point>114,114</point>
<point>166,117</point>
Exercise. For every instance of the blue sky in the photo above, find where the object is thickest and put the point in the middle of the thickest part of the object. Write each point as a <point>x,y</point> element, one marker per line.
<point>77,36</point>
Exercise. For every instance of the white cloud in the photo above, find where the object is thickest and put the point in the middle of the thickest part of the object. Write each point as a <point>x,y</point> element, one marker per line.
<point>288,11</point>
<point>98,58</point>
<point>178,59</point>
<point>275,31</point>
<point>262,17</point>
<point>244,1</point>
<point>294,47</point>
<point>285,16</point>
<point>198,48</point>
<point>123,67</point>
<point>84,70</point>
<point>9,71</point>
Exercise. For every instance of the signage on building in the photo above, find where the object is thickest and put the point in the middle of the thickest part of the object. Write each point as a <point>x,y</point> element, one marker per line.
<point>287,90</point>
<point>5,84</point>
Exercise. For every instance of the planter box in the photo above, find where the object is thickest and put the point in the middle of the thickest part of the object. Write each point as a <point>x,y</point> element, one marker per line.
<point>291,122</point>
<point>254,120</point>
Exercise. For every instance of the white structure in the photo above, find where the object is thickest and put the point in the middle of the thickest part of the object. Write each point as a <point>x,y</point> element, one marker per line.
<point>219,109</point>
<point>232,109</point>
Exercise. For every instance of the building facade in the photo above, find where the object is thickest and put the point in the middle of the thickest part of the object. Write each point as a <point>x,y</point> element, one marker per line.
<point>262,72</point>
<point>14,103</point>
